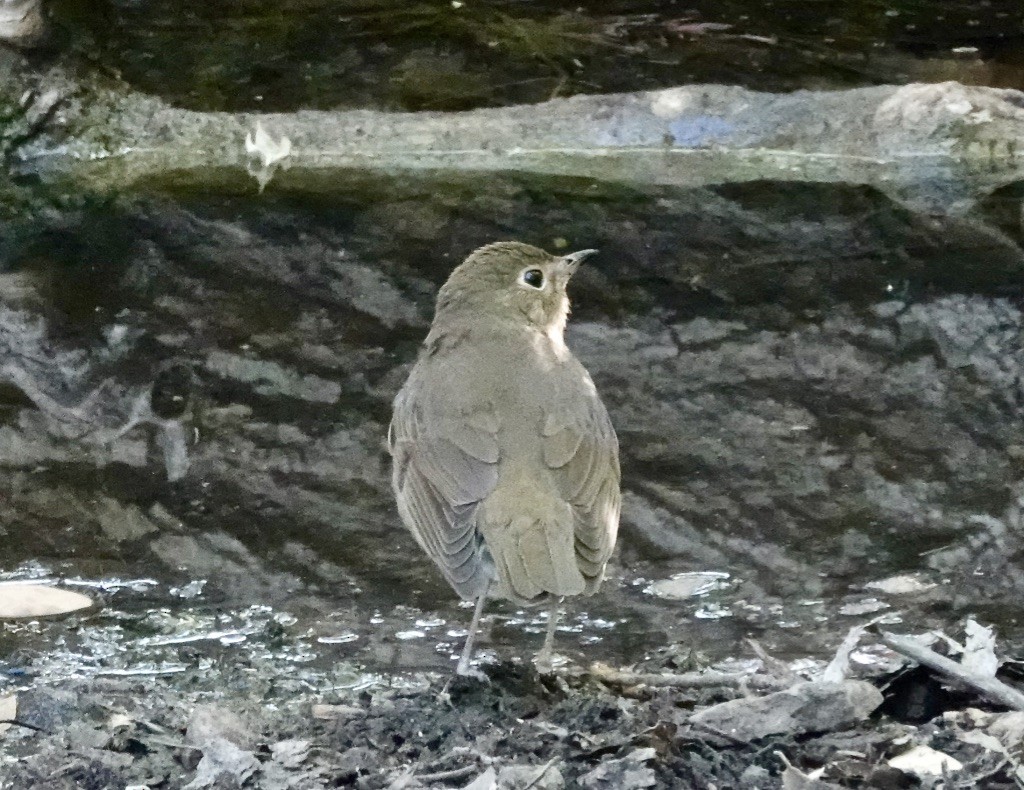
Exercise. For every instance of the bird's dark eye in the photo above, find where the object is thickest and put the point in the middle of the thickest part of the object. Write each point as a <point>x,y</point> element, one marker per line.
<point>534,278</point>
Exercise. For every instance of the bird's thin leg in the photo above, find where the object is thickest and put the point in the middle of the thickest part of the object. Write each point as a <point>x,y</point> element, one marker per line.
<point>463,667</point>
<point>543,660</point>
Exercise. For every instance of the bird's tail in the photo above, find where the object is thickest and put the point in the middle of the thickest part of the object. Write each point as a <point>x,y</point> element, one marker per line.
<point>534,556</point>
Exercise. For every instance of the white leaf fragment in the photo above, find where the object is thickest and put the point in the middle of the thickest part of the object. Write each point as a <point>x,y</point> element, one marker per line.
<point>904,584</point>
<point>925,761</point>
<point>980,650</point>
<point>681,586</point>
<point>220,757</point>
<point>8,712</point>
<point>984,740</point>
<point>866,606</point>
<point>263,146</point>
<point>270,154</point>
<point>838,669</point>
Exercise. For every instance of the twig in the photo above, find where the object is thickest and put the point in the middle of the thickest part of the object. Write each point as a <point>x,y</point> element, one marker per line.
<point>774,667</point>
<point>125,673</point>
<point>839,667</point>
<point>994,689</point>
<point>43,116</point>
<point>444,776</point>
<point>25,724</point>
<point>540,774</point>
<point>173,744</point>
<point>684,679</point>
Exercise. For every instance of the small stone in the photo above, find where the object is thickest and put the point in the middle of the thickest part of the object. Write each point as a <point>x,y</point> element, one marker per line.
<point>803,708</point>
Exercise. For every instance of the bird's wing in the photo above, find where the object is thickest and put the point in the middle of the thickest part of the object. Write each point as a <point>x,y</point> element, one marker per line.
<point>443,467</point>
<point>581,449</point>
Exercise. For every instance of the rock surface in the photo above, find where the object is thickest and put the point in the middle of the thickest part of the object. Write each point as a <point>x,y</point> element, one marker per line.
<point>936,147</point>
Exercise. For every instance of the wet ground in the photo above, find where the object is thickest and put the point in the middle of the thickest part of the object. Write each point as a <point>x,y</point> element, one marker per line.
<point>787,430</point>
<point>816,390</point>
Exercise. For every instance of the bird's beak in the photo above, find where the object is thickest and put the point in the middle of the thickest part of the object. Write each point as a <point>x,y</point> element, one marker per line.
<point>571,262</point>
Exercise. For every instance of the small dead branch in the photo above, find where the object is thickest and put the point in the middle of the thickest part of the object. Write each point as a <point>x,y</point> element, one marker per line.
<point>775,668</point>
<point>447,776</point>
<point>25,724</point>
<point>540,774</point>
<point>838,669</point>
<point>39,111</point>
<point>990,687</point>
<point>79,418</point>
<point>607,674</point>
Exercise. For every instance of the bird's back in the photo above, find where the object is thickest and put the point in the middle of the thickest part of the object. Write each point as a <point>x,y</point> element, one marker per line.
<point>506,464</point>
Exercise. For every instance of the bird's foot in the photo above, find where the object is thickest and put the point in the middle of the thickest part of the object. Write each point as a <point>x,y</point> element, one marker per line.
<point>471,672</point>
<point>444,696</point>
<point>544,662</point>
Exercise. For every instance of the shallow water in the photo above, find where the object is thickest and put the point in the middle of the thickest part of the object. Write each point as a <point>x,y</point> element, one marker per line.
<point>449,56</point>
<point>784,421</point>
<point>815,388</point>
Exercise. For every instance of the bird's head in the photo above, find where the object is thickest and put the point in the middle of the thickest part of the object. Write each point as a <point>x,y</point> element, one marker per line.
<point>511,280</point>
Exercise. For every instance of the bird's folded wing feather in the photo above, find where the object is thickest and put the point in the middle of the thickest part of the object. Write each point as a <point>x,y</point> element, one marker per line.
<point>442,469</point>
<point>581,449</point>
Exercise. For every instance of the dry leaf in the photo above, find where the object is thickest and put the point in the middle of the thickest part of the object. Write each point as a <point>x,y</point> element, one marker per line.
<point>1008,728</point>
<point>626,773</point>
<point>221,757</point>
<point>291,753</point>
<point>38,600</point>
<point>984,740</point>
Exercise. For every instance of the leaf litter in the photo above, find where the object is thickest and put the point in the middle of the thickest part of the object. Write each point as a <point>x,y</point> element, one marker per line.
<point>648,726</point>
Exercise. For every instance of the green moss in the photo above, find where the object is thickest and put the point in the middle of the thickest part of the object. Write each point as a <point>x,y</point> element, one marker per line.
<point>435,81</point>
<point>551,39</point>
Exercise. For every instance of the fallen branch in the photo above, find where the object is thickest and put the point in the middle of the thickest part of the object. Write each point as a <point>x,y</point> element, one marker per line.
<point>933,146</point>
<point>683,680</point>
<point>990,687</point>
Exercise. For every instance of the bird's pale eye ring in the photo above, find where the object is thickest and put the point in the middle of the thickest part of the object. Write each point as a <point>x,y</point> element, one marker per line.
<point>533,277</point>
